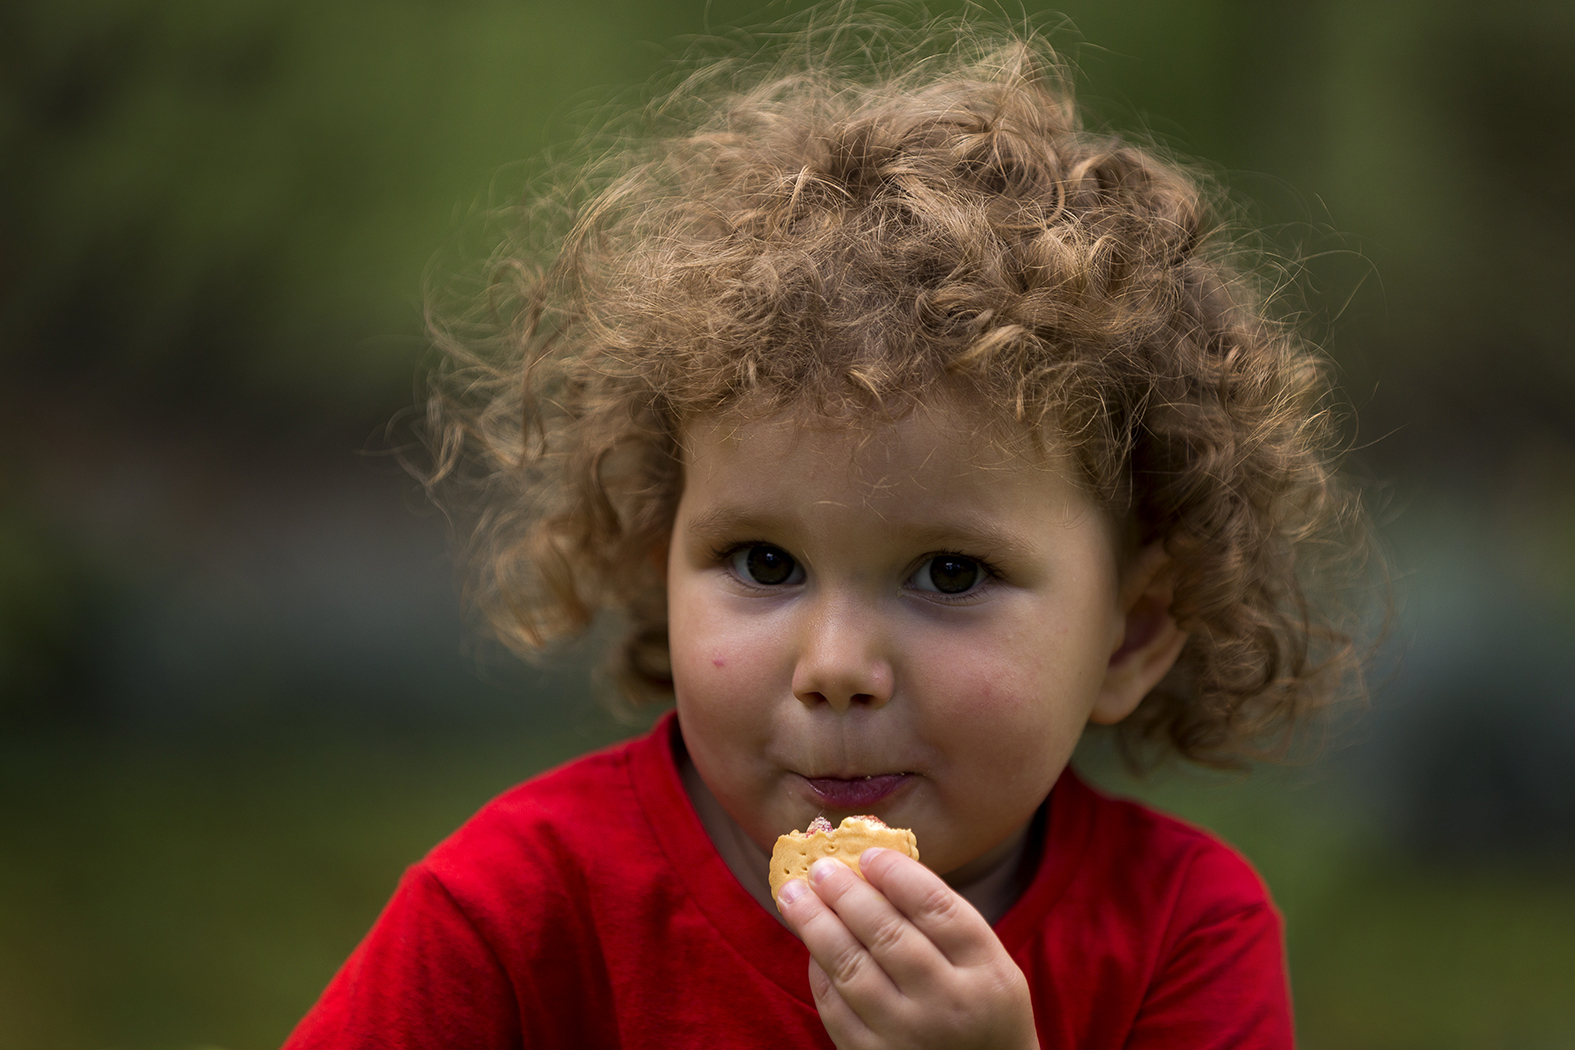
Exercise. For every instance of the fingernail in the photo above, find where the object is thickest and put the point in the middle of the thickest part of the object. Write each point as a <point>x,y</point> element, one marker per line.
<point>791,891</point>
<point>822,868</point>
<point>870,854</point>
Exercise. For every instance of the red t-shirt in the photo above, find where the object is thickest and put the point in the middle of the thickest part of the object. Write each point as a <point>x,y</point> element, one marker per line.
<point>587,908</point>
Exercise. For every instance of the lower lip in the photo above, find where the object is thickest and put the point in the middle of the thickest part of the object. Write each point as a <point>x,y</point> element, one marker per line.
<point>859,793</point>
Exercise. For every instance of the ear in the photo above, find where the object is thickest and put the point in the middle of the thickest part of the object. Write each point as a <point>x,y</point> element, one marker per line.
<point>1150,642</point>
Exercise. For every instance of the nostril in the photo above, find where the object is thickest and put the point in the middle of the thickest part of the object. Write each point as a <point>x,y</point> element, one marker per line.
<point>838,700</point>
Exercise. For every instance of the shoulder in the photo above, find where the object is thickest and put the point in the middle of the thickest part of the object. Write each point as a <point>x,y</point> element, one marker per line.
<point>1205,939</point>
<point>1177,865</point>
<point>541,846</point>
<point>1141,930</point>
<point>1127,884</point>
<point>561,802</point>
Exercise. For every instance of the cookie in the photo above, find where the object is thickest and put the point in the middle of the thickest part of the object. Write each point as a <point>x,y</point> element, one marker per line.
<point>797,850</point>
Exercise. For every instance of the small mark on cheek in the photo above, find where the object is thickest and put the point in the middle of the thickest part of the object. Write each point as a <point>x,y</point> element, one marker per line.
<point>717,661</point>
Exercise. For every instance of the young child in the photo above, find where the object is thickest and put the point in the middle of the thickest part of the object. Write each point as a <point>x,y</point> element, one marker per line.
<point>911,428</point>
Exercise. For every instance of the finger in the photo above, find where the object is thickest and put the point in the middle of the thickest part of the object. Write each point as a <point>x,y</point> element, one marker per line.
<point>901,950</point>
<point>947,921</point>
<point>842,1022</point>
<point>850,967</point>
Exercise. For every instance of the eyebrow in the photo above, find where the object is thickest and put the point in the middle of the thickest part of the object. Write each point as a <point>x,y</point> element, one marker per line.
<point>728,520</point>
<point>972,535</point>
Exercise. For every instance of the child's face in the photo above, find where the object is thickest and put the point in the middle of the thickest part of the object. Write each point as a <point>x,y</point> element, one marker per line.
<point>908,622</point>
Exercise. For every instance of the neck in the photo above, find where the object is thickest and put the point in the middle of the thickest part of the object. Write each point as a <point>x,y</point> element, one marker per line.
<point>746,860</point>
<point>991,882</point>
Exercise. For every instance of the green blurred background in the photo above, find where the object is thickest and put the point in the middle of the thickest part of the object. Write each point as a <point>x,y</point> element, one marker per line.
<point>237,691</point>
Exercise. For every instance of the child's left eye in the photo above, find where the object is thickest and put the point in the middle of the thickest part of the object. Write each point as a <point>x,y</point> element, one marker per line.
<point>948,574</point>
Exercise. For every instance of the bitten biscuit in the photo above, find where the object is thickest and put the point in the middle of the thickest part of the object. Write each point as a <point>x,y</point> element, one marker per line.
<point>796,851</point>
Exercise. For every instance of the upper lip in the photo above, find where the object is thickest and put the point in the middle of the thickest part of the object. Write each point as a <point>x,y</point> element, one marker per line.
<point>855,776</point>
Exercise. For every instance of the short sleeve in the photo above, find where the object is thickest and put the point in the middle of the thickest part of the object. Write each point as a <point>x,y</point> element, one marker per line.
<point>1222,980</point>
<point>423,977</point>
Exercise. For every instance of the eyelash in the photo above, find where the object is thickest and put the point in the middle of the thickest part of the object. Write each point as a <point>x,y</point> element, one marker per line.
<point>723,555</point>
<point>726,553</point>
<point>985,566</point>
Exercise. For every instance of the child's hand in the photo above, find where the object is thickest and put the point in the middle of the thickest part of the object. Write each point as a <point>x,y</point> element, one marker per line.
<point>903,960</point>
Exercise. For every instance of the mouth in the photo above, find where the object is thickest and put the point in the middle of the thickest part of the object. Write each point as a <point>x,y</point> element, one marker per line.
<point>848,793</point>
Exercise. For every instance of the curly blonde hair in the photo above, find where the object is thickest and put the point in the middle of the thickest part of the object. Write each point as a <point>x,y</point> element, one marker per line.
<point>846,239</point>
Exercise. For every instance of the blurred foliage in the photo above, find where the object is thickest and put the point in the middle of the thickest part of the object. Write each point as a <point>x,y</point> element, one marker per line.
<point>218,222</point>
<point>237,201</point>
<point>231,200</point>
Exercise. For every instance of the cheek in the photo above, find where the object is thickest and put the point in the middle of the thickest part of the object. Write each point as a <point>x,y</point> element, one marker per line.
<point>725,675</point>
<point>710,647</point>
<point>1015,686</point>
<point>1005,738</point>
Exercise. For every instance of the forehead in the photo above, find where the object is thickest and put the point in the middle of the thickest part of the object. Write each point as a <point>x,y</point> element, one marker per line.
<point>865,432</point>
<point>921,443</point>
<point>935,461</point>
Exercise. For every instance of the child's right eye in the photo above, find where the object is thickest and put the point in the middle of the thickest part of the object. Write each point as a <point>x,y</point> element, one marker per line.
<point>765,565</point>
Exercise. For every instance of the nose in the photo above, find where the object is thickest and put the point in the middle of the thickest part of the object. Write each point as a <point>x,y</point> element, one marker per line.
<point>842,661</point>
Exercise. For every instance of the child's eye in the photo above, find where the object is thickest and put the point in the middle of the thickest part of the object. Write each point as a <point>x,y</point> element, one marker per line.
<point>766,565</point>
<point>948,574</point>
